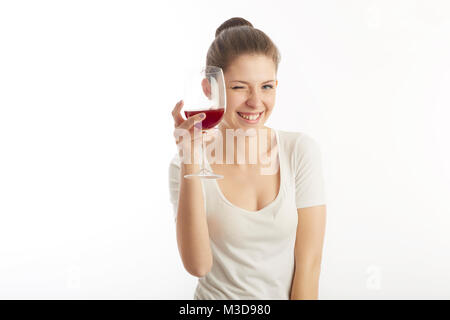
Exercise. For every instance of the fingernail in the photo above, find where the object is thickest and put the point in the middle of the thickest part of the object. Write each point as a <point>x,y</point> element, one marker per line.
<point>202,116</point>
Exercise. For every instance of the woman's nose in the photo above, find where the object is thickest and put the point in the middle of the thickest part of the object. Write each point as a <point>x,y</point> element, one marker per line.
<point>254,99</point>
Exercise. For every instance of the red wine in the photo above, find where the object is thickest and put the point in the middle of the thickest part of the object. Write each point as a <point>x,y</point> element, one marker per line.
<point>213,117</point>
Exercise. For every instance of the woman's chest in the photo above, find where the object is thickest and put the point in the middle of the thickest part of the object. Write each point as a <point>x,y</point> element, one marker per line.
<point>250,190</point>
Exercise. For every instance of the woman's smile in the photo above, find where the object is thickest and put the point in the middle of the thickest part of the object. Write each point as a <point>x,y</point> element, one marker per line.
<point>250,117</point>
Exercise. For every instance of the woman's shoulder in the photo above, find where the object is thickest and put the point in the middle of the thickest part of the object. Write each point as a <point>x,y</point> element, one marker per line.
<point>301,150</point>
<point>297,141</point>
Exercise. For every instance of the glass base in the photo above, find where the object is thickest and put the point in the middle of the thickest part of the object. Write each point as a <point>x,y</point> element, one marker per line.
<point>204,174</point>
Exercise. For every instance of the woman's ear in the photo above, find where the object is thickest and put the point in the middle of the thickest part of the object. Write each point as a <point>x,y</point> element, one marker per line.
<point>206,85</point>
<point>276,83</point>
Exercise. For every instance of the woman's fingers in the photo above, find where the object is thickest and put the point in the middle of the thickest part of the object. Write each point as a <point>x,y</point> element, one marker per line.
<point>176,113</point>
<point>180,122</point>
<point>191,121</point>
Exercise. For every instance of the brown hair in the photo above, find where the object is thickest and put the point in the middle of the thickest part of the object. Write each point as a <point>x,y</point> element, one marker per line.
<point>235,37</point>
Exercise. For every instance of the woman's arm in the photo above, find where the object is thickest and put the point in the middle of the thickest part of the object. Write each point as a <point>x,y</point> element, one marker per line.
<point>191,225</point>
<point>308,253</point>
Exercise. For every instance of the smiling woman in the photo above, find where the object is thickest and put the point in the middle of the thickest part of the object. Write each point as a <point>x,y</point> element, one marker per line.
<point>251,89</point>
<point>255,234</point>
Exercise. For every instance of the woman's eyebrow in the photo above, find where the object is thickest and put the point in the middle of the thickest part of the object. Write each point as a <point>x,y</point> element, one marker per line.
<point>247,82</point>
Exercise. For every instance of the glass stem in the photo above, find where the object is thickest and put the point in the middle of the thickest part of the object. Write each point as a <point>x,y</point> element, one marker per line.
<point>203,152</point>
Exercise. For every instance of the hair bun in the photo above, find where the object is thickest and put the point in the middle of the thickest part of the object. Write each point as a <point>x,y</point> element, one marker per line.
<point>233,22</point>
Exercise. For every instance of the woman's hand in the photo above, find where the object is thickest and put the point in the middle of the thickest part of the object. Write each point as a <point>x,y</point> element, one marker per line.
<point>189,132</point>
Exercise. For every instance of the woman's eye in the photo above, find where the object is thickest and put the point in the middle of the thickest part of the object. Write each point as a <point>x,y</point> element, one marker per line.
<point>267,86</point>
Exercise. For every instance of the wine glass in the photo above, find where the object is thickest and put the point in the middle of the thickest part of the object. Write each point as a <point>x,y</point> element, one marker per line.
<point>205,93</point>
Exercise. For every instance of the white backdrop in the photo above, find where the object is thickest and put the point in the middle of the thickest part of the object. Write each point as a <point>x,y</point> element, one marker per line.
<point>86,93</point>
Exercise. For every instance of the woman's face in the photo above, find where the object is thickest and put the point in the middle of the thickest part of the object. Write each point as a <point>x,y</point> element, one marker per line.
<point>251,83</point>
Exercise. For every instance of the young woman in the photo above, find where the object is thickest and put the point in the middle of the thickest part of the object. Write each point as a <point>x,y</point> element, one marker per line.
<point>251,235</point>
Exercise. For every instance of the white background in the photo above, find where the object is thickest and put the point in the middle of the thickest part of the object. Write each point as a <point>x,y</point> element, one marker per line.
<point>86,93</point>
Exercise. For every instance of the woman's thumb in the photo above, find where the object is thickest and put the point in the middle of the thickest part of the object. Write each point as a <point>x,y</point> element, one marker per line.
<point>199,117</point>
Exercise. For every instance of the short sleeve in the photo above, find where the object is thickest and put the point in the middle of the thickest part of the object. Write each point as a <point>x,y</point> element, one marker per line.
<point>174,184</point>
<point>309,179</point>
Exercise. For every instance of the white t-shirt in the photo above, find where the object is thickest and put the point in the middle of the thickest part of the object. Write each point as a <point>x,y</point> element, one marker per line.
<point>253,251</point>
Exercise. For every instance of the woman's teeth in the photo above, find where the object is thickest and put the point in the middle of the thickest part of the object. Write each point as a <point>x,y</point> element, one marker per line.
<point>250,117</point>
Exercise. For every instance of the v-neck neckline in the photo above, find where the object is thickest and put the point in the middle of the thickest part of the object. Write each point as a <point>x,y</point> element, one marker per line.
<point>273,202</point>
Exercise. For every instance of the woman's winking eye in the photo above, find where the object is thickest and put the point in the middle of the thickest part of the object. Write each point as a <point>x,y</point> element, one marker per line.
<point>265,87</point>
